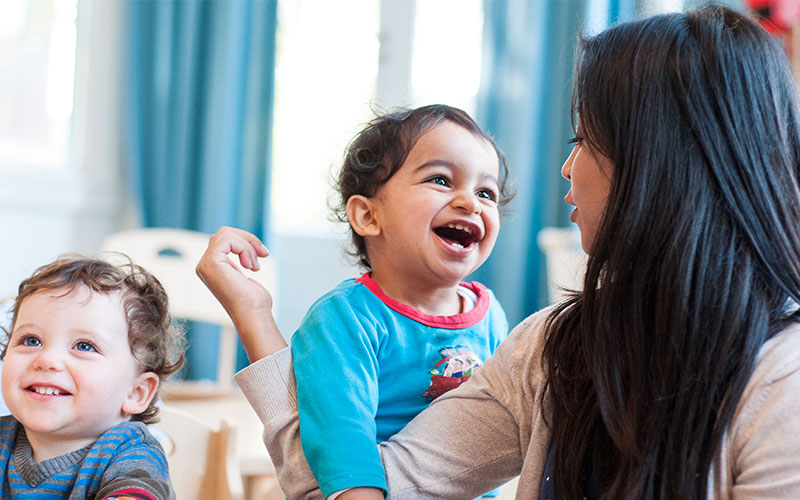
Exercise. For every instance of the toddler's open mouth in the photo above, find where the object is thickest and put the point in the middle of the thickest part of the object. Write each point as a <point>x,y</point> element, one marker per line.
<point>462,235</point>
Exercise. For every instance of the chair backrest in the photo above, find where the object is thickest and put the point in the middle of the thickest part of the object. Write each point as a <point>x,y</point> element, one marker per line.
<point>172,255</point>
<point>565,260</point>
<point>202,459</point>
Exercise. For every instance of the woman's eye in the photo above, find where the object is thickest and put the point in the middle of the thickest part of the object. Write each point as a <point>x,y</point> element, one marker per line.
<point>84,346</point>
<point>487,194</point>
<point>31,342</point>
<point>575,140</point>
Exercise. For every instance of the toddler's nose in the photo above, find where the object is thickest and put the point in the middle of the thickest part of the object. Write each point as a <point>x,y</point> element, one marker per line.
<point>467,201</point>
<point>49,360</point>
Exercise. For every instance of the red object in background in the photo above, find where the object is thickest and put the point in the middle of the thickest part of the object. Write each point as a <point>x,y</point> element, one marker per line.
<point>777,16</point>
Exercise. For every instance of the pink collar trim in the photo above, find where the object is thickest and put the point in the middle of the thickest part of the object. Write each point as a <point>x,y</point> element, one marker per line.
<point>463,320</point>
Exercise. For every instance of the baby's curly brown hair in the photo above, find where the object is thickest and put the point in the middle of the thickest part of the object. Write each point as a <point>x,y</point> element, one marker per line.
<point>156,343</point>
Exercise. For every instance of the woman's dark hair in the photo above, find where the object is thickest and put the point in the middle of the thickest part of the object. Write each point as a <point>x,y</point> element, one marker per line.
<point>696,260</point>
<point>381,147</point>
<point>155,342</point>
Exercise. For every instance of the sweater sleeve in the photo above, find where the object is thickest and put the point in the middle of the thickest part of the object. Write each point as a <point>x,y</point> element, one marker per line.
<point>467,442</point>
<point>269,386</point>
<point>765,442</point>
<point>336,368</point>
<point>137,471</point>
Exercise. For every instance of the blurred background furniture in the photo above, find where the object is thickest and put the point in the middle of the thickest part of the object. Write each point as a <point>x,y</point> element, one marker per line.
<point>253,462</point>
<point>565,260</point>
<point>202,459</point>
<point>171,255</point>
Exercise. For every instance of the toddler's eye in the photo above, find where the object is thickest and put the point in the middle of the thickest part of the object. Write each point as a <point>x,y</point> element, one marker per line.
<point>438,180</point>
<point>84,346</point>
<point>31,342</point>
<point>487,194</point>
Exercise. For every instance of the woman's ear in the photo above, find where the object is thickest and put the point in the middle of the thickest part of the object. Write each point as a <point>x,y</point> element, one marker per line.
<point>140,394</point>
<point>362,216</point>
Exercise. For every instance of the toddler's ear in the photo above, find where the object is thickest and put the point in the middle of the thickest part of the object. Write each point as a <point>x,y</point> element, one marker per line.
<point>140,394</point>
<point>361,215</point>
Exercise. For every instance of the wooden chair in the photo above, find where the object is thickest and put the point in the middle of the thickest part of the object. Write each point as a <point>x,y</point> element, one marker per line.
<point>202,459</point>
<point>171,255</point>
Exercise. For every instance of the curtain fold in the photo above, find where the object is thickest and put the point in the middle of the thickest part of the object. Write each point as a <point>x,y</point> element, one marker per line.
<point>198,120</point>
<point>524,103</point>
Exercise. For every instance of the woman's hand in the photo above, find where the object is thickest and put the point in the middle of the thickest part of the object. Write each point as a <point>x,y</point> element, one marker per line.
<point>247,302</point>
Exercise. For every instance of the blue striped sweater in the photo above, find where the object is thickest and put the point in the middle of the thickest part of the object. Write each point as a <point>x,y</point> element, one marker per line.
<point>126,462</point>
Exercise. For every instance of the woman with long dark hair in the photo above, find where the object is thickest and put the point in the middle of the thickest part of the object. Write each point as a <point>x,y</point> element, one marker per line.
<point>675,373</point>
<point>695,263</point>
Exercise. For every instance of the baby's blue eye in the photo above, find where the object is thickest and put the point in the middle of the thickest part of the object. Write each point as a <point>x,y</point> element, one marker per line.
<point>439,180</point>
<point>31,342</point>
<point>84,346</point>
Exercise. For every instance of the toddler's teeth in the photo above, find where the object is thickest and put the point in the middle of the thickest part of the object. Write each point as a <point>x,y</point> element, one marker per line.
<point>47,391</point>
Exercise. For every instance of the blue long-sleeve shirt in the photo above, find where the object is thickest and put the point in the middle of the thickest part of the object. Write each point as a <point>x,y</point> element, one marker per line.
<point>366,365</point>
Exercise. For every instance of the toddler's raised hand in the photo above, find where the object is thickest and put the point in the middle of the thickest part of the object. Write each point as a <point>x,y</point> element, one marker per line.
<point>247,302</point>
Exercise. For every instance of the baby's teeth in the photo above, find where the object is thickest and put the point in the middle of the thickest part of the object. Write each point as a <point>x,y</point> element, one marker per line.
<point>457,226</point>
<point>47,391</point>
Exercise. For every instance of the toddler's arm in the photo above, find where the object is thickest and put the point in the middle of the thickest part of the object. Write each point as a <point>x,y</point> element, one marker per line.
<point>247,302</point>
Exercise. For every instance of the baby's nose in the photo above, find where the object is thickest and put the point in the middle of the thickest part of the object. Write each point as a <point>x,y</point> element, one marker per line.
<point>49,360</point>
<point>467,201</point>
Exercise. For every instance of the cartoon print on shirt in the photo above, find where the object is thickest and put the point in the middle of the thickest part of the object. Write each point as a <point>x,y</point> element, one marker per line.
<point>458,366</point>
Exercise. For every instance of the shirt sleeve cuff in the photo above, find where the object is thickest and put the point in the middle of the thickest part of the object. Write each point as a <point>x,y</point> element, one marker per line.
<point>269,384</point>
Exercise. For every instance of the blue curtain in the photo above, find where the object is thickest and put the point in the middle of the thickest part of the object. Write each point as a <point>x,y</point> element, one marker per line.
<point>524,103</point>
<point>198,100</point>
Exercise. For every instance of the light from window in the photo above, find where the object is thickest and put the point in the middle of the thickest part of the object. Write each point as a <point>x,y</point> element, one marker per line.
<point>37,57</point>
<point>327,64</point>
<point>446,63</point>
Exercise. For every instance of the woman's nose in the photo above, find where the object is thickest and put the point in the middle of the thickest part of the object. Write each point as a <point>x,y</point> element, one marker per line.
<point>566,168</point>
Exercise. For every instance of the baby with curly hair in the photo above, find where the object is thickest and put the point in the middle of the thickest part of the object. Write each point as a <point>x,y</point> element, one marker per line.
<point>90,344</point>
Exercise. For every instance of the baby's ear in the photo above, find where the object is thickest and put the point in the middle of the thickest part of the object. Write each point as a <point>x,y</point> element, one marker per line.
<point>361,215</point>
<point>140,394</point>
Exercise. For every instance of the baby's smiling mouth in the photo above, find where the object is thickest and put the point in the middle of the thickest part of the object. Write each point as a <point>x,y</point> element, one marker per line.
<point>47,390</point>
<point>462,235</point>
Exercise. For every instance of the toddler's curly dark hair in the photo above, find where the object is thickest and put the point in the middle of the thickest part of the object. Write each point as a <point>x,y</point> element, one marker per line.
<point>155,342</point>
<point>381,147</point>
